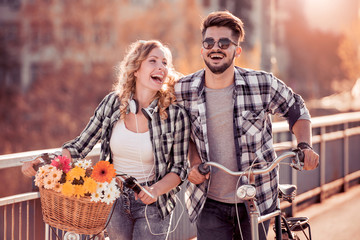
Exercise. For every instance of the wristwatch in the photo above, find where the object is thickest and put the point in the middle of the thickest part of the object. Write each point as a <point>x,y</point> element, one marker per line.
<point>304,145</point>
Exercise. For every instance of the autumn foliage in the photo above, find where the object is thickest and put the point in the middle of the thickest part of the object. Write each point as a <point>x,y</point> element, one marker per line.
<point>78,45</point>
<point>74,47</point>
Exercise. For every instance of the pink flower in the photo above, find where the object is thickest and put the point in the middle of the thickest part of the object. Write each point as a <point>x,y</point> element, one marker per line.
<point>62,163</point>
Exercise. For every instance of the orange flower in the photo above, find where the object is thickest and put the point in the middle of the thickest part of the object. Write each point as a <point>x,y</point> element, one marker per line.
<point>103,172</point>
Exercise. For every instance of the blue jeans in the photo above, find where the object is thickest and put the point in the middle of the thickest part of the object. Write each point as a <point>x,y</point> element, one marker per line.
<point>128,220</point>
<point>218,220</point>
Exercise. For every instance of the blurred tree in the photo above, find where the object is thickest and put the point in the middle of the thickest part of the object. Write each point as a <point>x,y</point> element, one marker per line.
<point>71,48</point>
<point>314,62</point>
<point>242,9</point>
<point>349,53</point>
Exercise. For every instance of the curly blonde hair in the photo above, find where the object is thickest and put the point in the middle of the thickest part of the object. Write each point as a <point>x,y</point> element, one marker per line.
<point>125,86</point>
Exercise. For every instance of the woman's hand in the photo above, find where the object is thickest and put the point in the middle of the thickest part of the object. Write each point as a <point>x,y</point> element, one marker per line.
<point>28,167</point>
<point>168,182</point>
<point>146,199</point>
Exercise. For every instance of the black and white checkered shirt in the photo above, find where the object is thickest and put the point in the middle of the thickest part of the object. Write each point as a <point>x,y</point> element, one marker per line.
<point>257,95</point>
<point>170,141</point>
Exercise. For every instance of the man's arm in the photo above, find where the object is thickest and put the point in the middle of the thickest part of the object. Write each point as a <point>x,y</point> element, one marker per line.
<point>302,132</point>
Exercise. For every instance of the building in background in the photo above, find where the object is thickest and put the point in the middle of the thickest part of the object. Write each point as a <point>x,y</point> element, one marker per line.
<point>39,38</point>
<point>43,37</point>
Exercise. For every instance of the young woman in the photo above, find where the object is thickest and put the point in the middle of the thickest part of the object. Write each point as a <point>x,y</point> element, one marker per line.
<point>145,135</point>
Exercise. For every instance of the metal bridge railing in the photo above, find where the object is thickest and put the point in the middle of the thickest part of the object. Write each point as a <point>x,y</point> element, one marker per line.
<point>335,137</point>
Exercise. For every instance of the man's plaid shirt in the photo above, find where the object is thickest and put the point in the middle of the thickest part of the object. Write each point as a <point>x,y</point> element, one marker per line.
<point>170,139</point>
<point>256,96</point>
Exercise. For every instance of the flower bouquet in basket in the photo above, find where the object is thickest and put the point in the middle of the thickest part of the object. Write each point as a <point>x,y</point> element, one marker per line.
<point>77,197</point>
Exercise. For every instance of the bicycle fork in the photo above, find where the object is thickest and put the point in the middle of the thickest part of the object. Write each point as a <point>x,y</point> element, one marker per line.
<point>255,219</point>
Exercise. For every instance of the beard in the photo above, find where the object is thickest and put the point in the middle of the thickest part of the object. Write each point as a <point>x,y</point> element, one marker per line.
<point>222,68</point>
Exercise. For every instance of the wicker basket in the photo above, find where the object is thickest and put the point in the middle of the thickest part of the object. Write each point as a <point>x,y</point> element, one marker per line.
<point>78,215</point>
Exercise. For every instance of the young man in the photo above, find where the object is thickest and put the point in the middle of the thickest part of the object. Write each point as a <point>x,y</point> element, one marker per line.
<point>230,110</point>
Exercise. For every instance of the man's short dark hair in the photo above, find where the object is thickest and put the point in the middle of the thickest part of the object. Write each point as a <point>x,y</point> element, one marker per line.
<point>224,19</point>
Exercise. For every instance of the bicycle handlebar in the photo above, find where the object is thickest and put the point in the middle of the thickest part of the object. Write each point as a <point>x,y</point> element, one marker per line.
<point>132,183</point>
<point>297,163</point>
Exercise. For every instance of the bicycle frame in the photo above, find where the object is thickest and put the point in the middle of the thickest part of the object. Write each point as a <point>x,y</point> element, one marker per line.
<point>248,192</point>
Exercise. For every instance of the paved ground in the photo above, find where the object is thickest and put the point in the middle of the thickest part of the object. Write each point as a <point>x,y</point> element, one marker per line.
<point>337,218</point>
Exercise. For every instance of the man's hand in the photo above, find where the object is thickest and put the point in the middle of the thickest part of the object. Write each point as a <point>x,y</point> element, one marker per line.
<point>195,176</point>
<point>28,167</point>
<point>311,159</point>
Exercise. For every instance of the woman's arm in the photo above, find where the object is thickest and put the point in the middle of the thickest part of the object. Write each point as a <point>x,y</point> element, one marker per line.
<point>178,171</point>
<point>84,143</point>
<point>170,181</point>
<point>66,153</point>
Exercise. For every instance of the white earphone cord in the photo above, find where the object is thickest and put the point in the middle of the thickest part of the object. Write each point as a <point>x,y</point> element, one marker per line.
<point>146,180</point>
<point>236,187</point>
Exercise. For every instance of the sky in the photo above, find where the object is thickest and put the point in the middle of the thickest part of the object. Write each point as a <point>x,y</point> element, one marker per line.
<point>331,15</point>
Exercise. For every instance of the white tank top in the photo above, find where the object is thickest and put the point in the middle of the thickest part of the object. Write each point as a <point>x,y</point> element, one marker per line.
<point>132,153</point>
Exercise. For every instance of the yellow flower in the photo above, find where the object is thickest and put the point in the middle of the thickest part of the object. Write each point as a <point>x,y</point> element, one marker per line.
<point>79,191</point>
<point>90,185</point>
<point>75,173</point>
<point>68,189</point>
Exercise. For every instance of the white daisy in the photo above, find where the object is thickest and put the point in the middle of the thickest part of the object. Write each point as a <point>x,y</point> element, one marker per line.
<point>49,167</point>
<point>39,180</point>
<point>87,164</point>
<point>55,174</point>
<point>80,164</point>
<point>83,164</point>
<point>43,171</point>
<point>48,182</point>
<point>95,197</point>
<point>101,186</point>
<point>112,188</point>
<point>109,197</point>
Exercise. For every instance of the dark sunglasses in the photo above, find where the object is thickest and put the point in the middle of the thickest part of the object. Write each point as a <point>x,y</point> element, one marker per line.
<point>223,43</point>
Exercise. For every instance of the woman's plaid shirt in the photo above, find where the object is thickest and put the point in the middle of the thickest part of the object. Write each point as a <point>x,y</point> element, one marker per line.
<point>170,139</point>
<point>257,95</point>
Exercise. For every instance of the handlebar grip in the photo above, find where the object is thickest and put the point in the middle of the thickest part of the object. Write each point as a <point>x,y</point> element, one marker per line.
<point>45,158</point>
<point>301,156</point>
<point>130,183</point>
<point>203,169</point>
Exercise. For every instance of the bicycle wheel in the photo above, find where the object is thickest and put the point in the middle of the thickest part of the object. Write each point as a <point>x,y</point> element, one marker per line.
<point>71,236</point>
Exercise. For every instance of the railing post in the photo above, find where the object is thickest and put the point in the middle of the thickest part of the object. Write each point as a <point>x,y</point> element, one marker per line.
<point>294,174</point>
<point>322,162</point>
<point>47,232</point>
<point>346,156</point>
<point>5,222</point>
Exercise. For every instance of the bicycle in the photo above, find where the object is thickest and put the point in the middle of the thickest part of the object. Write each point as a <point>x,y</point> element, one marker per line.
<point>128,181</point>
<point>284,227</point>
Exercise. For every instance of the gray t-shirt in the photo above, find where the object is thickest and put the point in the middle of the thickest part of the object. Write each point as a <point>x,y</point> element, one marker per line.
<point>219,121</point>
